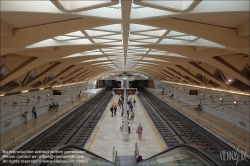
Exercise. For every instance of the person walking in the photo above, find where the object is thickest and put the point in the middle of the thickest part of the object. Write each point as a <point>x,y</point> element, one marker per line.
<point>34,111</point>
<point>132,116</point>
<point>112,109</point>
<point>25,115</point>
<point>139,131</point>
<point>134,102</point>
<point>115,108</point>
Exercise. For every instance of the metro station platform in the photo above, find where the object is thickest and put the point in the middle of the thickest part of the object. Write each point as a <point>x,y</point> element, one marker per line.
<point>232,135</point>
<point>18,135</point>
<point>107,134</point>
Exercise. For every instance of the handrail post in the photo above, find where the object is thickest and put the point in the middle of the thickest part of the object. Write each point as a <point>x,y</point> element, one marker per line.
<point>113,153</point>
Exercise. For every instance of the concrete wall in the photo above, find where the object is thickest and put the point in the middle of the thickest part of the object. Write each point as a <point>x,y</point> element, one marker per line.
<point>158,84</point>
<point>13,106</point>
<point>236,114</point>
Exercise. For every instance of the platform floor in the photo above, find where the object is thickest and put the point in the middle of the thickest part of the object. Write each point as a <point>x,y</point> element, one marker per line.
<point>108,135</point>
<point>231,134</point>
<point>20,133</point>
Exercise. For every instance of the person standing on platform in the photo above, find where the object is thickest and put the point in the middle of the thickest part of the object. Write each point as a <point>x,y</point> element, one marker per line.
<point>139,159</point>
<point>131,106</point>
<point>112,109</point>
<point>25,115</point>
<point>115,108</point>
<point>132,116</point>
<point>122,111</point>
<point>134,102</point>
<point>139,131</point>
<point>129,129</point>
<point>34,111</point>
<point>119,103</point>
<point>128,113</point>
<point>57,106</point>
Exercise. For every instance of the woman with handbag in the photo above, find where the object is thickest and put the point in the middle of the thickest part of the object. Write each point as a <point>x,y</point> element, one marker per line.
<point>139,131</point>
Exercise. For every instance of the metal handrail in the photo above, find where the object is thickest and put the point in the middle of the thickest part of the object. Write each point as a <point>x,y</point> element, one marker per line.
<point>113,154</point>
<point>196,150</point>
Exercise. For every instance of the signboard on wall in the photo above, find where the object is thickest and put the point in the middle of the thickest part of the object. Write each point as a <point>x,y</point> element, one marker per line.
<point>131,91</point>
<point>119,91</point>
<point>193,92</point>
<point>57,92</point>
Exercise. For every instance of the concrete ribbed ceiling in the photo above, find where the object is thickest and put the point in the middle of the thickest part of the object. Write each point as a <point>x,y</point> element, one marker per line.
<point>197,42</point>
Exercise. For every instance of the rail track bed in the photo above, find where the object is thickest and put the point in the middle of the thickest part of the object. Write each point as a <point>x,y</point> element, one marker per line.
<point>74,128</point>
<point>175,128</point>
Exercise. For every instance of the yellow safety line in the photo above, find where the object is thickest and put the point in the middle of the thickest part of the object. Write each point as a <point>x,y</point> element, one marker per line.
<point>170,162</point>
<point>158,139</point>
<point>97,131</point>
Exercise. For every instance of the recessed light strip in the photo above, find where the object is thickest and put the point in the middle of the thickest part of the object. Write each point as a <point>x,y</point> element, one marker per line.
<point>222,90</point>
<point>68,84</point>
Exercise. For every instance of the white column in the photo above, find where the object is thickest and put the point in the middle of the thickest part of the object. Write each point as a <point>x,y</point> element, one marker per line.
<point>125,118</point>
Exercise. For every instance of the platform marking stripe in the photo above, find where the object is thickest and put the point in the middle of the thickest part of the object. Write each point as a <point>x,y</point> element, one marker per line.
<point>158,139</point>
<point>170,161</point>
<point>97,130</point>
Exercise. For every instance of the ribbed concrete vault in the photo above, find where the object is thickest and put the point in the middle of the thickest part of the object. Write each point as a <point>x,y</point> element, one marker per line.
<point>198,42</point>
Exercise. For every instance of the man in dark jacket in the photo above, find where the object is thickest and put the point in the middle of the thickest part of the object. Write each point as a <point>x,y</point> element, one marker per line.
<point>111,109</point>
<point>115,108</point>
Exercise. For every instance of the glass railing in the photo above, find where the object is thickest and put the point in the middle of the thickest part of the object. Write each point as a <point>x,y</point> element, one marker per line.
<point>73,155</point>
<point>182,155</point>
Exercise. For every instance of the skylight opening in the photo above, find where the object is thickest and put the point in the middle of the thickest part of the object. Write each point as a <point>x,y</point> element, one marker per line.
<point>76,34</point>
<point>96,59</point>
<point>64,38</point>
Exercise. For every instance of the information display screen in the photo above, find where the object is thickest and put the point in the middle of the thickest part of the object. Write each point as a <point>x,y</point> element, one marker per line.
<point>57,92</point>
<point>193,92</point>
<point>119,91</point>
<point>131,91</point>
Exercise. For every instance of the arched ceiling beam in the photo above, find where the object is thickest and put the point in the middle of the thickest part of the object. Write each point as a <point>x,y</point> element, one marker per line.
<point>188,51</point>
<point>42,32</point>
<point>222,64</point>
<point>223,36</point>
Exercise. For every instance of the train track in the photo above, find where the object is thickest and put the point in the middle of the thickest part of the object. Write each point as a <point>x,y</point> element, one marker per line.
<point>75,128</point>
<point>176,129</point>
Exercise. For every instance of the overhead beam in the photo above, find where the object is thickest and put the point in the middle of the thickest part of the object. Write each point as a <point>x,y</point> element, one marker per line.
<point>208,74</point>
<point>28,65</point>
<point>225,66</point>
<point>61,73</point>
<point>224,36</point>
<point>191,75</point>
<point>243,30</point>
<point>43,73</point>
<point>21,39</point>
<point>6,31</point>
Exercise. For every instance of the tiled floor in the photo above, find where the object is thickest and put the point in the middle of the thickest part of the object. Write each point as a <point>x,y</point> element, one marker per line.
<point>228,132</point>
<point>21,132</point>
<point>108,134</point>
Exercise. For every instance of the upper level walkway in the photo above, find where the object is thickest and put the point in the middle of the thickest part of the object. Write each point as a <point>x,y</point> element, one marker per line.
<point>232,135</point>
<point>19,134</point>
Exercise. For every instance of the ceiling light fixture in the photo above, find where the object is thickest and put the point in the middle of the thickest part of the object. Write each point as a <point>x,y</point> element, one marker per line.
<point>41,88</point>
<point>24,91</point>
<point>2,94</point>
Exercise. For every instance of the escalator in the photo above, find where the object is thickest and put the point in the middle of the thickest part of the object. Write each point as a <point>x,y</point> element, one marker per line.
<point>180,155</point>
<point>183,155</point>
